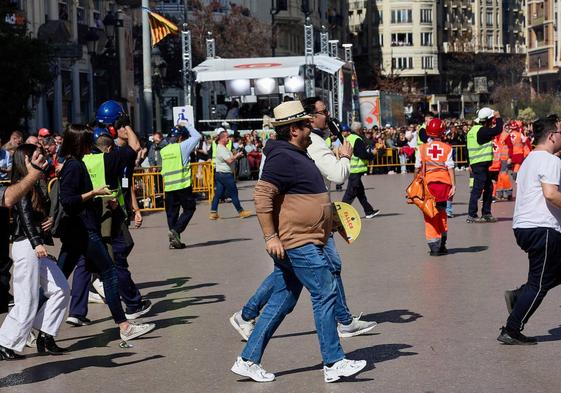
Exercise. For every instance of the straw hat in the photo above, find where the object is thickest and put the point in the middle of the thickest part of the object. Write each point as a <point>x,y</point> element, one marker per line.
<point>289,112</point>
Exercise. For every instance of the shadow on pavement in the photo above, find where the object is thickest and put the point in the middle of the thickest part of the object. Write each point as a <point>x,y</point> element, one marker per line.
<point>467,249</point>
<point>393,316</point>
<point>52,369</point>
<point>178,304</point>
<point>554,335</point>
<point>176,281</point>
<point>372,355</point>
<point>217,242</point>
<point>385,215</point>
<point>165,292</point>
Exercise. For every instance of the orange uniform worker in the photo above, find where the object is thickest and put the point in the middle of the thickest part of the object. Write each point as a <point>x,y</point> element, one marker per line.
<point>502,186</point>
<point>436,157</point>
<point>520,146</point>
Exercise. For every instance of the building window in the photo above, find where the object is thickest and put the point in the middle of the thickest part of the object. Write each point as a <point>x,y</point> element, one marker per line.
<point>402,39</point>
<point>489,18</point>
<point>402,63</point>
<point>489,41</point>
<point>426,15</point>
<point>426,62</point>
<point>402,16</point>
<point>426,39</point>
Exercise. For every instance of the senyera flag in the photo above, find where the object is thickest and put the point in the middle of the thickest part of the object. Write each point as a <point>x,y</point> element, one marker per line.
<point>160,27</point>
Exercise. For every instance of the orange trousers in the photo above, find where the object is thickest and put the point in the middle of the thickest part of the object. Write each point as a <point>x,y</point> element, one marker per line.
<point>436,226</point>
<point>504,183</point>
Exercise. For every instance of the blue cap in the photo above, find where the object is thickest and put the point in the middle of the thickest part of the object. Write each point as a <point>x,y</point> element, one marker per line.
<point>178,131</point>
<point>345,127</point>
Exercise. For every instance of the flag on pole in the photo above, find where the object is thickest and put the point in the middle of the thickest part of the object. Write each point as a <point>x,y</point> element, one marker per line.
<point>160,27</point>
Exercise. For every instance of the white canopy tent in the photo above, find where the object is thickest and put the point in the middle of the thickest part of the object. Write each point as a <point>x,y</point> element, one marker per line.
<point>245,78</point>
<point>218,69</point>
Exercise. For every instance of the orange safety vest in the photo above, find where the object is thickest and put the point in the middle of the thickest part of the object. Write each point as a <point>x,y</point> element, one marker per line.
<point>434,155</point>
<point>517,143</point>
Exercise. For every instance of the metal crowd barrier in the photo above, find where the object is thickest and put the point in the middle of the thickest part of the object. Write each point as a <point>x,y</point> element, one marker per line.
<point>149,185</point>
<point>389,157</point>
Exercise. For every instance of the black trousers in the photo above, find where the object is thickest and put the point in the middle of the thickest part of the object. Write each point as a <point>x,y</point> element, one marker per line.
<point>482,184</point>
<point>5,261</point>
<point>180,199</point>
<point>543,246</point>
<point>355,189</point>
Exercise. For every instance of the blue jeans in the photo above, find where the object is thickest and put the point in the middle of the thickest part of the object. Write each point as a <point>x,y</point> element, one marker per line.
<point>89,244</point>
<point>261,296</point>
<point>449,207</point>
<point>225,183</point>
<point>304,266</point>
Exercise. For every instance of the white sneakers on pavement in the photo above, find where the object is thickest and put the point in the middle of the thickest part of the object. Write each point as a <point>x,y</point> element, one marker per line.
<point>252,370</point>
<point>343,368</point>
<point>136,330</point>
<point>243,327</point>
<point>95,298</point>
<point>355,328</point>
<point>98,286</point>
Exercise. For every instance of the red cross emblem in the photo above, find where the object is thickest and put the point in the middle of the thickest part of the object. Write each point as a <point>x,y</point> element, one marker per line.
<point>435,152</point>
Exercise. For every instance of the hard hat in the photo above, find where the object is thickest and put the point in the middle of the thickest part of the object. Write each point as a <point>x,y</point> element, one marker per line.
<point>109,112</point>
<point>44,132</point>
<point>484,114</point>
<point>436,128</point>
<point>345,127</point>
<point>178,131</point>
<point>101,131</point>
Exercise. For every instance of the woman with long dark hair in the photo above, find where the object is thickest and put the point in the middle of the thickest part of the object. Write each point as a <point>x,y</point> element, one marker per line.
<point>81,227</point>
<point>34,270</point>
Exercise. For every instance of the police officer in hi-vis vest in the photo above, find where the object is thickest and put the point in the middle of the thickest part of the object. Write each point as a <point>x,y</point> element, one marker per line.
<point>176,174</point>
<point>480,156</point>
<point>359,166</point>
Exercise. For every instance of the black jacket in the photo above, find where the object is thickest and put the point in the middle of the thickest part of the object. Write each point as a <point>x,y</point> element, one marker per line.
<point>27,221</point>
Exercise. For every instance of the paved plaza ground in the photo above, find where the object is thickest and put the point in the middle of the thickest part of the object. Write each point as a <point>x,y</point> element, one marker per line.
<point>438,318</point>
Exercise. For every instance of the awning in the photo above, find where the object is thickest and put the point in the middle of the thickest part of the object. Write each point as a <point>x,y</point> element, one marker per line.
<point>261,67</point>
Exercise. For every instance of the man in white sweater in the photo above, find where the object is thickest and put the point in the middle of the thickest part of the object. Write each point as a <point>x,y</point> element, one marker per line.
<point>333,170</point>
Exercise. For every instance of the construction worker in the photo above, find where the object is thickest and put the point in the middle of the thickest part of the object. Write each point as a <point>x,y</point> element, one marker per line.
<point>176,174</point>
<point>435,159</point>
<point>359,166</point>
<point>480,156</point>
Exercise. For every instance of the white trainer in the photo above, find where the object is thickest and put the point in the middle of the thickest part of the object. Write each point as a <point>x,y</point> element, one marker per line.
<point>31,341</point>
<point>243,327</point>
<point>252,370</point>
<point>343,368</point>
<point>98,286</point>
<point>355,328</point>
<point>136,330</point>
<point>95,298</point>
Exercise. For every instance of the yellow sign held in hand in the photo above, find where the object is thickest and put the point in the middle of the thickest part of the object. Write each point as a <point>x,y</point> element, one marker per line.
<point>346,221</point>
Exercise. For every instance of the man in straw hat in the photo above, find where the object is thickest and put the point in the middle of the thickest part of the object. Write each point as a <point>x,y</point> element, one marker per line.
<point>295,215</point>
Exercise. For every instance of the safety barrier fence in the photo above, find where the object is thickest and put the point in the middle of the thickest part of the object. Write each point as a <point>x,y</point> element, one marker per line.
<point>149,185</point>
<point>396,157</point>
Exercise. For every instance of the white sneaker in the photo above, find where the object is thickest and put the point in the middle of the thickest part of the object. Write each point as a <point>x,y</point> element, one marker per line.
<point>95,298</point>
<point>136,330</point>
<point>98,286</point>
<point>391,173</point>
<point>373,214</point>
<point>243,327</point>
<point>31,341</point>
<point>355,328</point>
<point>343,368</point>
<point>252,370</point>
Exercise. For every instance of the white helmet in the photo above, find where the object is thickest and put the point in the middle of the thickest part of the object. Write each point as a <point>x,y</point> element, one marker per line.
<point>484,114</point>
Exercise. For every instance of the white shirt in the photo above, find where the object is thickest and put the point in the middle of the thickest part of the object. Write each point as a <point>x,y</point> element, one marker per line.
<point>223,154</point>
<point>531,209</point>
